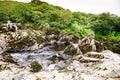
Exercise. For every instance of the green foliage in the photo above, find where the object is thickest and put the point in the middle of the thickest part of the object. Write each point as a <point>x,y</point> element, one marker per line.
<point>6,9</point>
<point>21,13</point>
<point>38,13</point>
<point>38,2</point>
<point>115,37</point>
<point>113,48</point>
<point>76,27</point>
<point>102,27</point>
<point>68,29</point>
<point>80,18</point>
<point>81,29</point>
<point>105,24</point>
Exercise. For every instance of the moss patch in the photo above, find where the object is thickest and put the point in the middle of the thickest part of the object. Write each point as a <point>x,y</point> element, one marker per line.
<point>70,50</point>
<point>35,66</point>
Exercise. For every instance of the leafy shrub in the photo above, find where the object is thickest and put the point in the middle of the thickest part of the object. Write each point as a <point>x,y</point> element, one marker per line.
<point>102,27</point>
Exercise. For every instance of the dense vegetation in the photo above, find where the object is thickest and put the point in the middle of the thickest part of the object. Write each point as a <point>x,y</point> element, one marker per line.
<point>37,14</point>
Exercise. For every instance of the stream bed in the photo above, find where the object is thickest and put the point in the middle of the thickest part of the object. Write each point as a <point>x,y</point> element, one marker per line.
<point>48,58</point>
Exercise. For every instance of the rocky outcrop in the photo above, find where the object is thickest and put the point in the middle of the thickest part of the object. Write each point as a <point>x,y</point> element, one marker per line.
<point>88,44</point>
<point>83,46</point>
<point>21,40</point>
<point>57,55</point>
<point>27,40</point>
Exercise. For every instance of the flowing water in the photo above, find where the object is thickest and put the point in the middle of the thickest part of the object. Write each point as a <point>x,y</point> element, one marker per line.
<point>49,57</point>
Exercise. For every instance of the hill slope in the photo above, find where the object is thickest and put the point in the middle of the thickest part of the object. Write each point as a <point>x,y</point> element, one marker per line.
<point>37,14</point>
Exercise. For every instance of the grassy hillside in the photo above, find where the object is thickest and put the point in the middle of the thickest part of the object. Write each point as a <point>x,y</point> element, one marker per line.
<point>37,14</point>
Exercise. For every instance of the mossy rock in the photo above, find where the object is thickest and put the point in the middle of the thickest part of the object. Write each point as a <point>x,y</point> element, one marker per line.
<point>65,38</point>
<point>86,48</point>
<point>52,31</point>
<point>73,38</point>
<point>35,66</point>
<point>69,38</point>
<point>25,39</point>
<point>39,39</point>
<point>20,44</point>
<point>51,37</point>
<point>8,58</point>
<point>48,30</point>
<point>70,50</point>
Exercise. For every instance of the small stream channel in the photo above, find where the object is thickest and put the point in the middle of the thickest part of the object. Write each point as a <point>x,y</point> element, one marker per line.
<point>49,57</point>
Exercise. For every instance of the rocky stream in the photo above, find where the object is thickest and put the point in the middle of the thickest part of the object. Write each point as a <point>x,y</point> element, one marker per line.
<point>49,54</point>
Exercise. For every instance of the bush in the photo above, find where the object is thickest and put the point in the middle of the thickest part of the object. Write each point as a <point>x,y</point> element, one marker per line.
<point>21,13</point>
<point>102,27</point>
